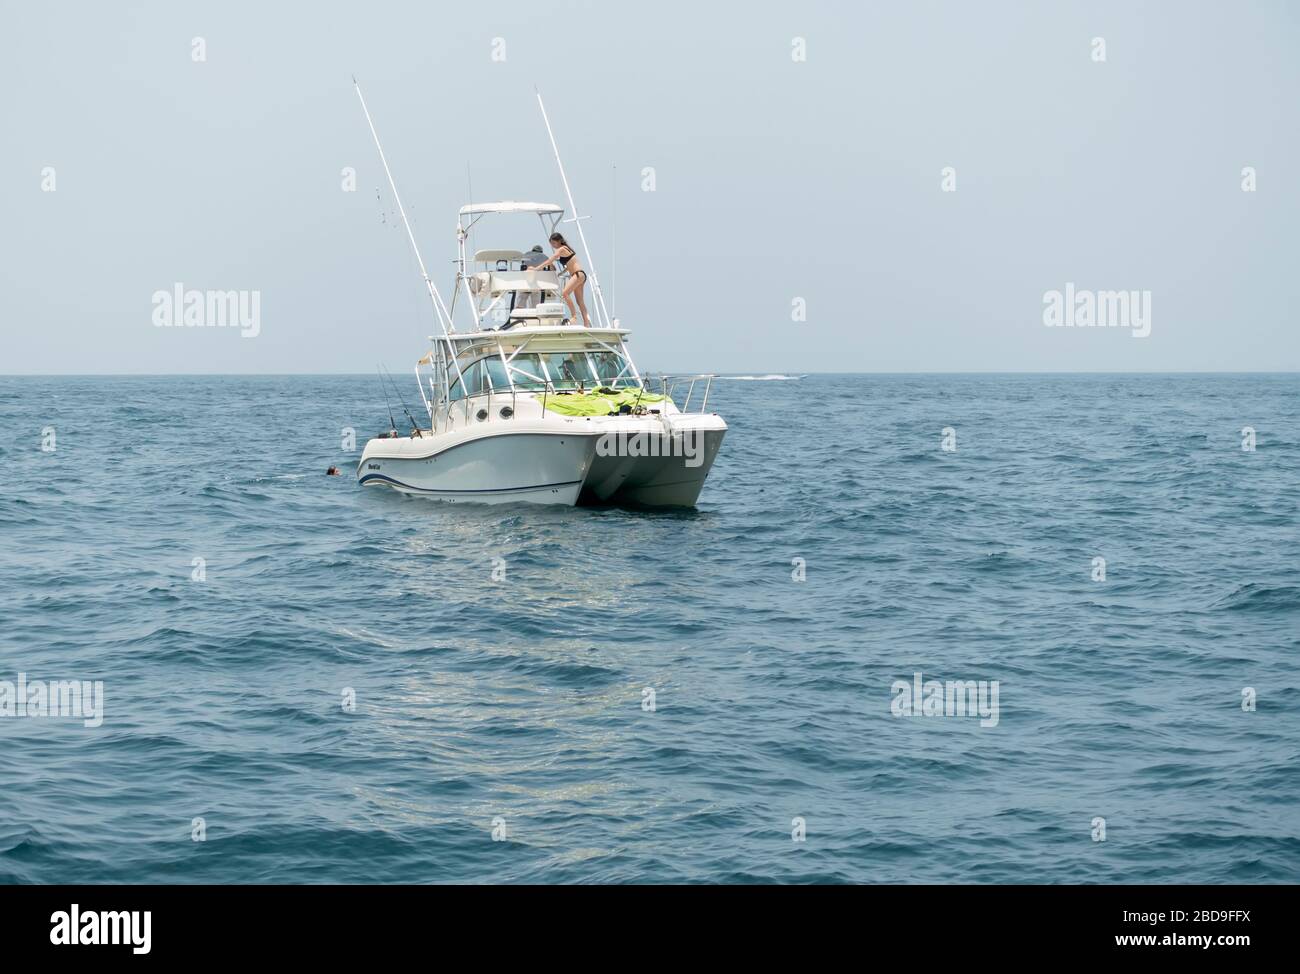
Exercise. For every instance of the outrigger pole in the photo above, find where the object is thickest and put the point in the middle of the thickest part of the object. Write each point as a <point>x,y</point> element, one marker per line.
<point>439,309</point>
<point>586,251</point>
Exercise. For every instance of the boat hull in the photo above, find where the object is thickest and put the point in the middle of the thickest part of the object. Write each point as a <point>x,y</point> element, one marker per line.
<point>637,460</point>
<point>494,468</point>
<point>655,466</point>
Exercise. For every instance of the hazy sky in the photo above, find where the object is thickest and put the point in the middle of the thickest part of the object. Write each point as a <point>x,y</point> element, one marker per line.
<point>775,178</point>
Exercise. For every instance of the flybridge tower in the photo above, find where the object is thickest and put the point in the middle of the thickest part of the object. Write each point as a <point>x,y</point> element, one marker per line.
<point>520,404</point>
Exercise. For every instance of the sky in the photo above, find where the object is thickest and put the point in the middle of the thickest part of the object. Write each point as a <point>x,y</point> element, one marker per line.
<point>793,187</point>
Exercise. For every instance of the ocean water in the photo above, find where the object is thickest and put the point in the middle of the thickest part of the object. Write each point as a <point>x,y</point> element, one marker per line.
<point>521,702</point>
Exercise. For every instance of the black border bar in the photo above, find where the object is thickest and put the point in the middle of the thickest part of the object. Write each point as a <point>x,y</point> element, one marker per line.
<point>945,923</point>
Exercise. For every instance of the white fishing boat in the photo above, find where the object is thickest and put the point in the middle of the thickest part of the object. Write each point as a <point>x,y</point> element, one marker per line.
<point>526,404</point>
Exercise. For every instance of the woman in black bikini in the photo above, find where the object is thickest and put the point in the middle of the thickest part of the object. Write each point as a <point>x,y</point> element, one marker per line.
<point>577,276</point>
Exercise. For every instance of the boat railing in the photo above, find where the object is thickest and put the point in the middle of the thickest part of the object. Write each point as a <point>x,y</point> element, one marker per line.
<point>669,382</point>
<point>548,389</point>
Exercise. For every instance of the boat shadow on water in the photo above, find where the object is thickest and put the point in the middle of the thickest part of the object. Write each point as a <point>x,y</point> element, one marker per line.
<point>587,507</point>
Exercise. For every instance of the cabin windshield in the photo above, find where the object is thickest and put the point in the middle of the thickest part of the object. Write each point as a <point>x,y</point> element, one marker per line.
<point>531,372</point>
<point>612,369</point>
<point>568,370</point>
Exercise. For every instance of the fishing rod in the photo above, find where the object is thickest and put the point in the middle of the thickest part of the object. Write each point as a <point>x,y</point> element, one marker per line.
<point>602,311</point>
<point>392,423</point>
<point>439,308</point>
<point>415,427</point>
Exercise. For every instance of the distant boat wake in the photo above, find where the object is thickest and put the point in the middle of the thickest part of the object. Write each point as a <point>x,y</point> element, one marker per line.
<point>763,378</point>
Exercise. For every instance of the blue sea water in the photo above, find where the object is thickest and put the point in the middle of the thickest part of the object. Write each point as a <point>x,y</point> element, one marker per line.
<point>521,701</point>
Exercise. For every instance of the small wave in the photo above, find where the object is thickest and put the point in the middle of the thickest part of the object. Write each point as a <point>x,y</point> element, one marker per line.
<point>764,378</point>
<point>1261,598</point>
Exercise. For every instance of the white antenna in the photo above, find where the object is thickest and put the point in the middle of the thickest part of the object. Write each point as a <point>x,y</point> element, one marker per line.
<point>613,237</point>
<point>439,309</point>
<point>586,251</point>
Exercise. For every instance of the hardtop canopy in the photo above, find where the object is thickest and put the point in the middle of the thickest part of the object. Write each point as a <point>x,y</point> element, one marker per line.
<point>509,206</point>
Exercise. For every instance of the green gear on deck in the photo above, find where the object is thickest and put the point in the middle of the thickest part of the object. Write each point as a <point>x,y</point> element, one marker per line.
<point>599,402</point>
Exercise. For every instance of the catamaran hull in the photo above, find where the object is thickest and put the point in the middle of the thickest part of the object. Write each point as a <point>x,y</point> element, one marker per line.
<point>501,468</point>
<point>673,473</point>
<point>613,460</point>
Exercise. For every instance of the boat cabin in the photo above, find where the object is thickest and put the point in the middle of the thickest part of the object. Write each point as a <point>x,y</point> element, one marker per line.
<point>520,343</point>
